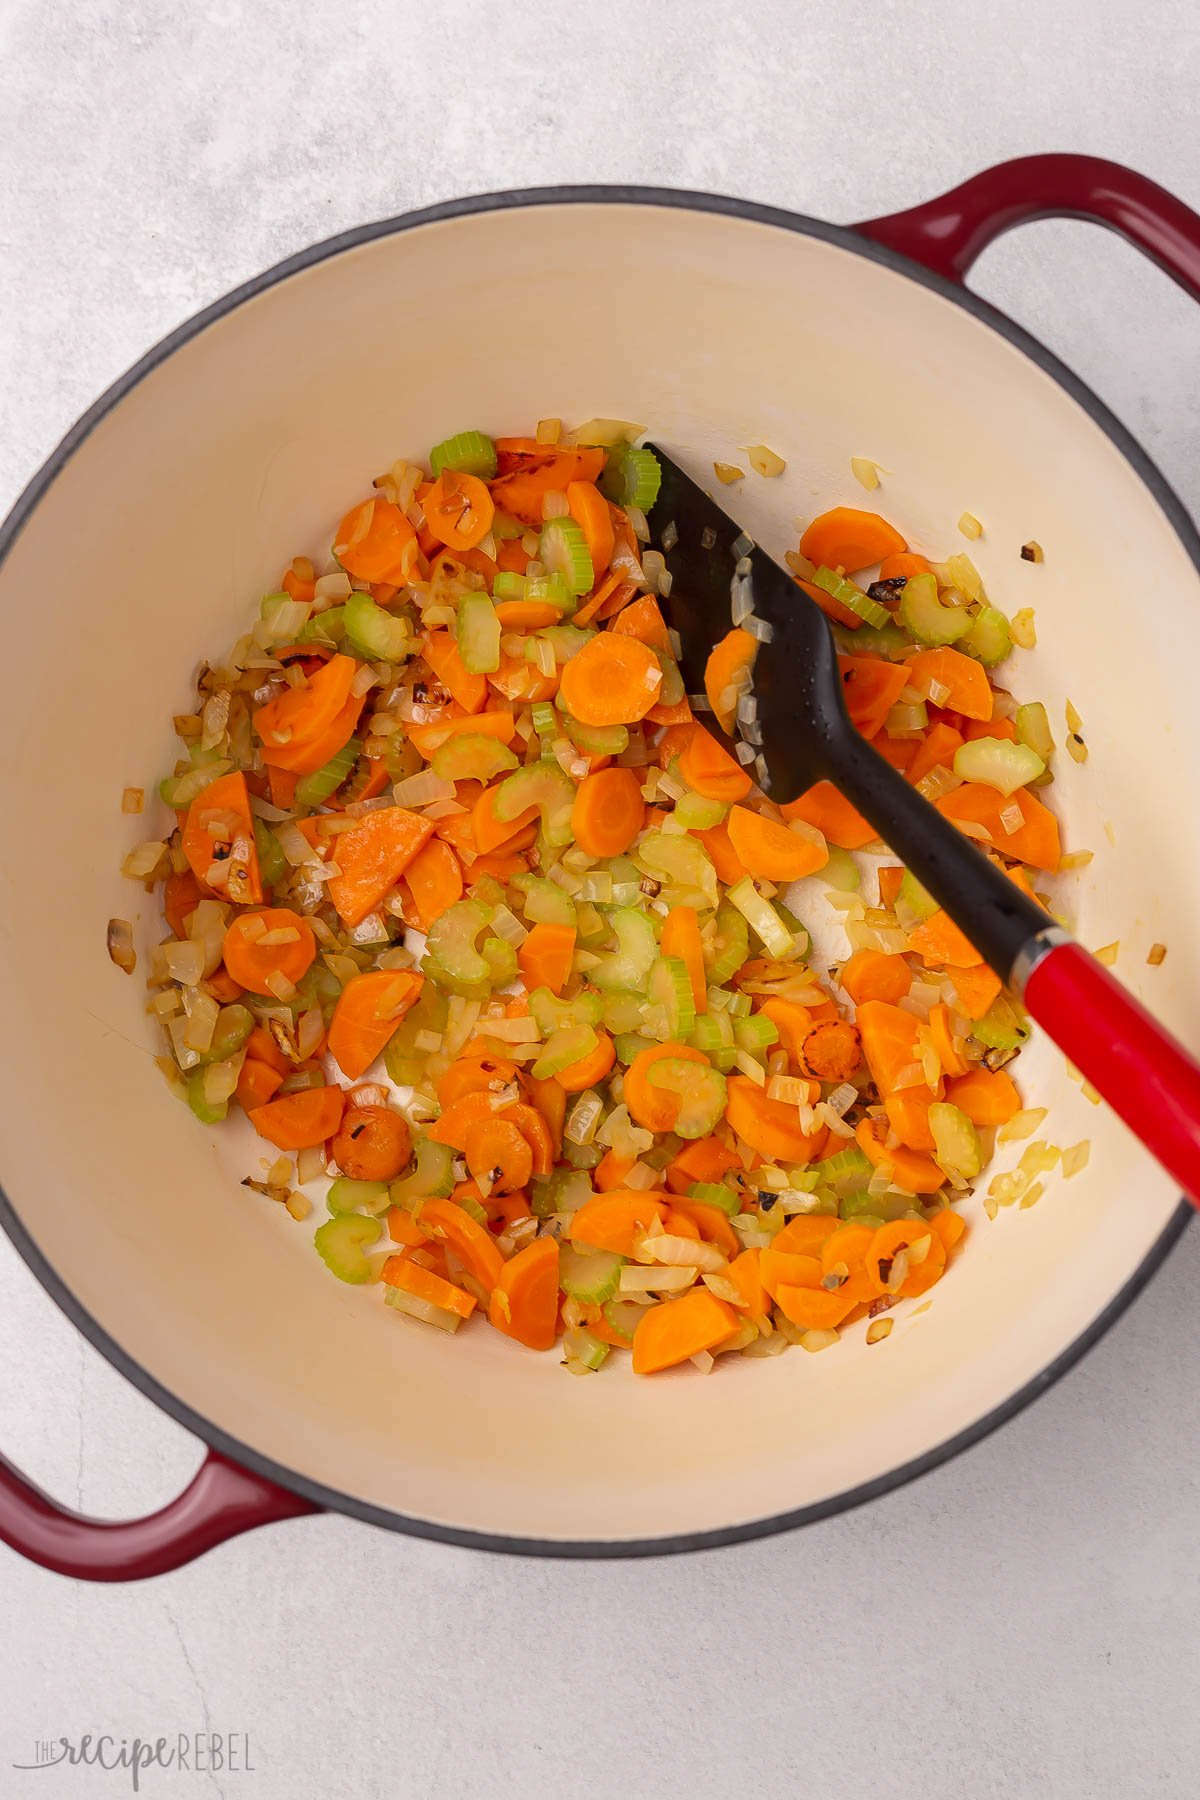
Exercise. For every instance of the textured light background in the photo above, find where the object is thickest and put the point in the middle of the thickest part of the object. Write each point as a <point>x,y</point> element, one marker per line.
<point>1020,1623</point>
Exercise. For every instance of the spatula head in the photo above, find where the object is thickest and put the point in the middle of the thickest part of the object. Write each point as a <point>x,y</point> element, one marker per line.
<point>797,684</point>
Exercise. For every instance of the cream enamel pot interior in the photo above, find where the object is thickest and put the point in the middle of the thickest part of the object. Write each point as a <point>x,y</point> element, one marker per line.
<point>240,442</point>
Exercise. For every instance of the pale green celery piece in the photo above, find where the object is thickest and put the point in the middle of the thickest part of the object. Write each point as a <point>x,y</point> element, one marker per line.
<point>631,477</point>
<point>697,813</point>
<point>545,723</point>
<point>755,1034</point>
<point>597,740</point>
<point>581,1156</point>
<point>346,1196</point>
<point>715,1193</point>
<point>488,892</point>
<point>956,1146</point>
<point>569,1045</point>
<point>469,452</point>
<point>1033,729</point>
<point>451,955</point>
<point>628,965</point>
<point>566,1190</point>
<point>592,925</point>
<point>472,1208</point>
<point>563,550</point>
<point>234,1025</point>
<point>328,627</point>
<point>672,690</point>
<point>861,1208</point>
<point>477,634</point>
<point>847,1166</point>
<point>671,1011</point>
<point>664,1150</point>
<point>852,596</point>
<point>405,1064</point>
<point>550,590</point>
<point>926,617</point>
<point>272,863</point>
<point>432,1177</point>
<point>565,641</point>
<point>998,763</point>
<point>1002,1027</point>
<point>508,585</point>
<point>682,866</point>
<point>205,1111</point>
<point>342,1244</point>
<point>623,1011</point>
<point>315,789</point>
<point>701,1093</point>
<point>548,787</point>
<point>178,791</point>
<point>589,1276</point>
<point>730,945</point>
<point>382,636</point>
<point>582,1350</point>
<point>552,1014</point>
<point>629,1044</point>
<point>841,872</point>
<point>888,641</point>
<point>989,639</point>
<point>472,756</point>
<point>713,1034</point>
<point>918,903</point>
<point>624,1316</point>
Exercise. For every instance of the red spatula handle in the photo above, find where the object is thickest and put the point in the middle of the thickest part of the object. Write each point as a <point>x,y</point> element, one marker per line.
<point>1145,1074</point>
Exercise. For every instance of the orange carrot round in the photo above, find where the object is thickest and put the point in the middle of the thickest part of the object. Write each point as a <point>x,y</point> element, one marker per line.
<point>524,1302</point>
<point>434,880</point>
<point>654,1107</point>
<point>832,1051</point>
<point>675,1330</point>
<point>590,511</point>
<point>544,959</point>
<point>903,564</point>
<point>988,1097</point>
<point>846,538</point>
<point>912,1173</point>
<point>224,802</point>
<point>443,1220</point>
<point>616,1220</point>
<point>769,851</point>
<point>458,510</point>
<point>481,1073</point>
<point>369,1009</point>
<point>872,975</point>
<point>726,660</point>
<point>300,1121</point>
<point>769,1126</point>
<point>274,941</point>
<point>613,680</point>
<point>498,1156</point>
<point>590,1069</point>
<point>681,938</point>
<point>373,1143</point>
<point>375,542</point>
<point>710,770</point>
<point>607,814</point>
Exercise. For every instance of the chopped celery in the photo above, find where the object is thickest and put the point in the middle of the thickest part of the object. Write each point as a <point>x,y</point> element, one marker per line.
<point>179,791</point>
<point>1033,729</point>
<point>543,901</point>
<point>452,958</point>
<point>234,1025</point>
<point>566,641</point>
<point>346,1196</point>
<point>508,585</point>
<point>998,763</point>
<point>665,1149</point>
<point>472,756</point>
<point>629,1044</point>
<point>342,1244</point>
<point>328,627</point>
<point>505,528</point>
<point>672,690</point>
<point>629,964</point>
<point>622,1011</point>
<point>431,1179</point>
<point>701,1094</point>
<point>488,892</point>
<point>761,916</point>
<point>551,1014</point>
<point>681,866</point>
<point>562,1048</point>
<point>563,550</point>
<point>697,813</point>
<point>730,945</point>
<point>589,1276</point>
<point>472,1208</point>
<point>738,1006</point>
<point>926,617</point>
<point>917,902</point>
<point>631,477</point>
<point>477,633</point>
<point>863,1209</point>
<point>550,590</point>
<point>415,1306</point>
<point>381,636</point>
<point>545,724</point>
<point>671,1009</point>
<point>715,1193</point>
<point>956,1146</point>
<point>597,740</point>
<point>623,1317</point>
<point>581,1156</point>
<point>583,1352</point>
<point>470,452</point>
<point>272,863</point>
<point>852,596</point>
<point>847,1166</point>
<point>887,641</point>
<point>841,872</point>
<point>564,1191</point>
<point>755,1034</point>
<point>315,789</point>
<point>989,639</point>
<point>208,1112</point>
<point>404,1063</point>
<point>544,785</point>
<point>1002,1027</point>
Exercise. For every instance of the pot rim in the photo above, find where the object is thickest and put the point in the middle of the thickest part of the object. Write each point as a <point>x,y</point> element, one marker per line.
<point>846,238</point>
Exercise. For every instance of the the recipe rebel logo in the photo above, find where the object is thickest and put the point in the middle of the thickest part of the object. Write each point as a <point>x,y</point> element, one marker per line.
<point>197,1753</point>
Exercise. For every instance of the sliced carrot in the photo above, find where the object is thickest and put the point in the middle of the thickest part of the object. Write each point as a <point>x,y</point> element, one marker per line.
<point>500,725</point>
<point>571,462</point>
<point>871,687</point>
<point>890,1241</point>
<point>615,1221</point>
<point>372,1143</point>
<point>966,684</point>
<point>607,814</point>
<point>608,599</point>
<point>224,802</point>
<point>475,1071</point>
<point>656,1108</point>
<point>831,1052</point>
<point>901,565</point>
<point>950,1226</point>
<point>613,680</point>
<point>548,1098</point>
<point>832,815</point>
<point>423,1284</point>
<point>908,1115</point>
<point>256,1084</point>
<point>889,1042</point>
<point>491,833</point>
<point>710,1222</point>
<point>299,718</point>
<point>544,959</point>
<point>788,1268</point>
<point>681,938</point>
<point>433,881</point>
<point>251,961</point>
<point>182,894</point>
<point>375,542</point>
<point>521,488</point>
<point>282,786</point>
<point>368,1011</point>
<point>534,1125</point>
<point>524,1302</point>
<point>675,1330</point>
<point>844,1252</point>
<point>845,538</point>
<point>813,1309</point>
<point>458,509</point>
<point>872,975</point>
<point>805,1234</point>
<point>498,1156</point>
<point>523,681</point>
<point>936,751</point>
<point>833,609</point>
<point>643,619</point>
<point>296,586</point>
<point>988,1097</point>
<point>769,1126</point>
<point>900,752</point>
<point>769,851</point>
<point>703,1160</point>
<point>611,1170</point>
<point>940,1030</point>
<point>221,986</point>
<point>679,712</point>
<point>976,989</point>
<point>590,1069</point>
<point>911,1172</point>
<point>721,853</point>
<point>590,511</point>
<point>793,1022</point>
<point>261,1047</point>
<point>727,660</point>
<point>475,1249</point>
<point>938,940</point>
<point>890,876</point>
<point>990,728</point>
<point>1036,839</point>
<point>676,1224</point>
<point>299,1121</point>
<point>527,615</point>
<point>372,857</point>
<point>512,556</point>
<point>441,653</point>
<point>457,1119</point>
<point>710,770</point>
<point>746,1275</point>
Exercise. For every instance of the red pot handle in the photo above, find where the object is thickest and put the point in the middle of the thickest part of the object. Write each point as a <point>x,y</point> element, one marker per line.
<point>948,233</point>
<point>221,1501</point>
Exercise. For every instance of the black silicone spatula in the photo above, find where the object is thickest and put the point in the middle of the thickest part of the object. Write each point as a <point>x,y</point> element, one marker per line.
<point>803,734</point>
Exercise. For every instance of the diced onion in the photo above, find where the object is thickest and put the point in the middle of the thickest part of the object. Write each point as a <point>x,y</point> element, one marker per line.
<point>764,461</point>
<point>864,472</point>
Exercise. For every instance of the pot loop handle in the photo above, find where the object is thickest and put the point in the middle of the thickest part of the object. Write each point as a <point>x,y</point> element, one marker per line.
<point>221,1501</point>
<point>948,233</point>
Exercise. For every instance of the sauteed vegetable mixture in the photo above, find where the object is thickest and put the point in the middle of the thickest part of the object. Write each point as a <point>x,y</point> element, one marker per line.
<point>473,907</point>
